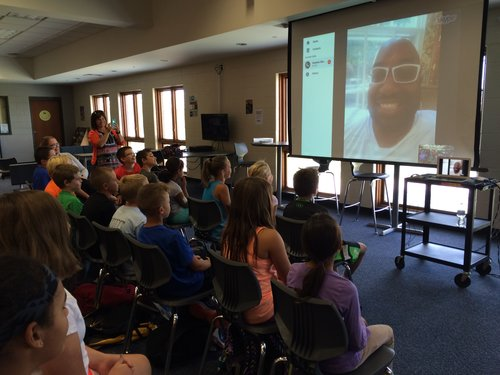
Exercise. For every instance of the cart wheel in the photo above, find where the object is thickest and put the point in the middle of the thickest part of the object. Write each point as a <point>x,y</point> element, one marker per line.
<point>462,280</point>
<point>484,268</point>
<point>400,262</point>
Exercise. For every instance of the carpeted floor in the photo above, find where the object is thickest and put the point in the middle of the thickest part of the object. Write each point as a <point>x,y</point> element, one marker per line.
<point>439,327</point>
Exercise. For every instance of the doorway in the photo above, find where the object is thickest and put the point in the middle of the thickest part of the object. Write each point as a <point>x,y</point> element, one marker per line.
<point>46,119</point>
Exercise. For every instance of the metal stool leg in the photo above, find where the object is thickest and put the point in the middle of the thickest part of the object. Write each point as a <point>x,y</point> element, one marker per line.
<point>344,205</point>
<point>372,200</point>
<point>361,191</point>
<point>388,202</point>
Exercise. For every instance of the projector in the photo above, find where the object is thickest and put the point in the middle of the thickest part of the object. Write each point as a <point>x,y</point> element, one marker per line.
<point>263,140</point>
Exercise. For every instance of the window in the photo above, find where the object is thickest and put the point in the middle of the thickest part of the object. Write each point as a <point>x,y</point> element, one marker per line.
<point>101,102</point>
<point>291,164</point>
<point>131,119</point>
<point>170,115</point>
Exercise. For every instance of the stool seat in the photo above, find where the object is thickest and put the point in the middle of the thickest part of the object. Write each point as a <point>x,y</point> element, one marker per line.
<point>369,177</point>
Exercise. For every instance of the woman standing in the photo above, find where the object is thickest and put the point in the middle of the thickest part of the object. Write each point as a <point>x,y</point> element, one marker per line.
<point>105,141</point>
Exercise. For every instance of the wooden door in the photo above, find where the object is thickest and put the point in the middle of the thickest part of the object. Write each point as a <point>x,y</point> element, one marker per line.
<point>46,119</point>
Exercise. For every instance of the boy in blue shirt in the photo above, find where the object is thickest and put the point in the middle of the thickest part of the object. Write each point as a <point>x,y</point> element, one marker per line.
<point>40,175</point>
<point>188,276</point>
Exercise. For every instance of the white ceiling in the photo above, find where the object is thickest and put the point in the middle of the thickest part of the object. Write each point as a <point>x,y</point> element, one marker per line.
<point>27,34</point>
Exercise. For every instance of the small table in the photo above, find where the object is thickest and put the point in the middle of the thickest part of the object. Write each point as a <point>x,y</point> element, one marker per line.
<point>203,155</point>
<point>279,147</point>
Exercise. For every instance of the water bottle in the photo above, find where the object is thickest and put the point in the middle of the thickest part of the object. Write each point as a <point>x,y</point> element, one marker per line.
<point>461,216</point>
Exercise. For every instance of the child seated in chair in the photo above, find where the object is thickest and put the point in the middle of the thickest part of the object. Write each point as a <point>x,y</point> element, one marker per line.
<point>147,160</point>
<point>128,217</point>
<point>250,237</point>
<point>67,177</point>
<point>261,169</point>
<point>100,207</point>
<point>173,176</point>
<point>322,240</point>
<point>188,276</point>
<point>214,173</point>
<point>40,175</point>
<point>305,184</point>
<point>128,166</point>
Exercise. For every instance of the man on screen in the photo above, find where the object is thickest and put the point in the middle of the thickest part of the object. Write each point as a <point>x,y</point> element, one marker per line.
<point>393,126</point>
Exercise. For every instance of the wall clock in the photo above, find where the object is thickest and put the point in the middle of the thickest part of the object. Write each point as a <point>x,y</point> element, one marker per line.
<point>44,115</point>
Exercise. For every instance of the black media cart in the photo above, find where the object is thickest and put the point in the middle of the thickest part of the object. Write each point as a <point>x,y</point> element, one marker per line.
<point>464,258</point>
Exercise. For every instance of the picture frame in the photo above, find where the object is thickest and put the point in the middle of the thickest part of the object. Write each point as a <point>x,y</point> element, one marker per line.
<point>453,166</point>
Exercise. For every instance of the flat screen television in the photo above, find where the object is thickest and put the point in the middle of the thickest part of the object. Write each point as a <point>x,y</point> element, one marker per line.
<point>214,127</point>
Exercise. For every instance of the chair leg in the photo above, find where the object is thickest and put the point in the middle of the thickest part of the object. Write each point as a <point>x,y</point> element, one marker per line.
<point>168,360</point>
<point>207,343</point>
<point>277,362</point>
<point>103,273</point>
<point>262,358</point>
<point>130,326</point>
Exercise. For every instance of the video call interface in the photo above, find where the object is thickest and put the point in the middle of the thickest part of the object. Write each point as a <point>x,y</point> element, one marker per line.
<point>382,82</point>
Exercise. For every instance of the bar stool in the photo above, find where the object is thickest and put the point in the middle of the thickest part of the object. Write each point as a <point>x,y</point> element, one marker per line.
<point>358,176</point>
<point>324,169</point>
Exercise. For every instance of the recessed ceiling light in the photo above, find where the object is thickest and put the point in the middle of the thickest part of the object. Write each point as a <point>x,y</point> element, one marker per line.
<point>241,44</point>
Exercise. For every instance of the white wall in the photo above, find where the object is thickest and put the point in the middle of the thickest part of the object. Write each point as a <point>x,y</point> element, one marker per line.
<point>245,77</point>
<point>490,137</point>
<point>19,144</point>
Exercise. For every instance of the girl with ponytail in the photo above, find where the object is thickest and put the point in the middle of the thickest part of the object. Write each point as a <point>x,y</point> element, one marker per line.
<point>321,240</point>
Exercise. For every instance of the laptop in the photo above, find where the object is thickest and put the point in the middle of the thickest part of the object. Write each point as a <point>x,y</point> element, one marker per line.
<point>453,166</point>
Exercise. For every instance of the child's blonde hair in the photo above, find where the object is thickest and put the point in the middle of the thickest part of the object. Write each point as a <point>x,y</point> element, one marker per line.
<point>56,160</point>
<point>260,169</point>
<point>130,185</point>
